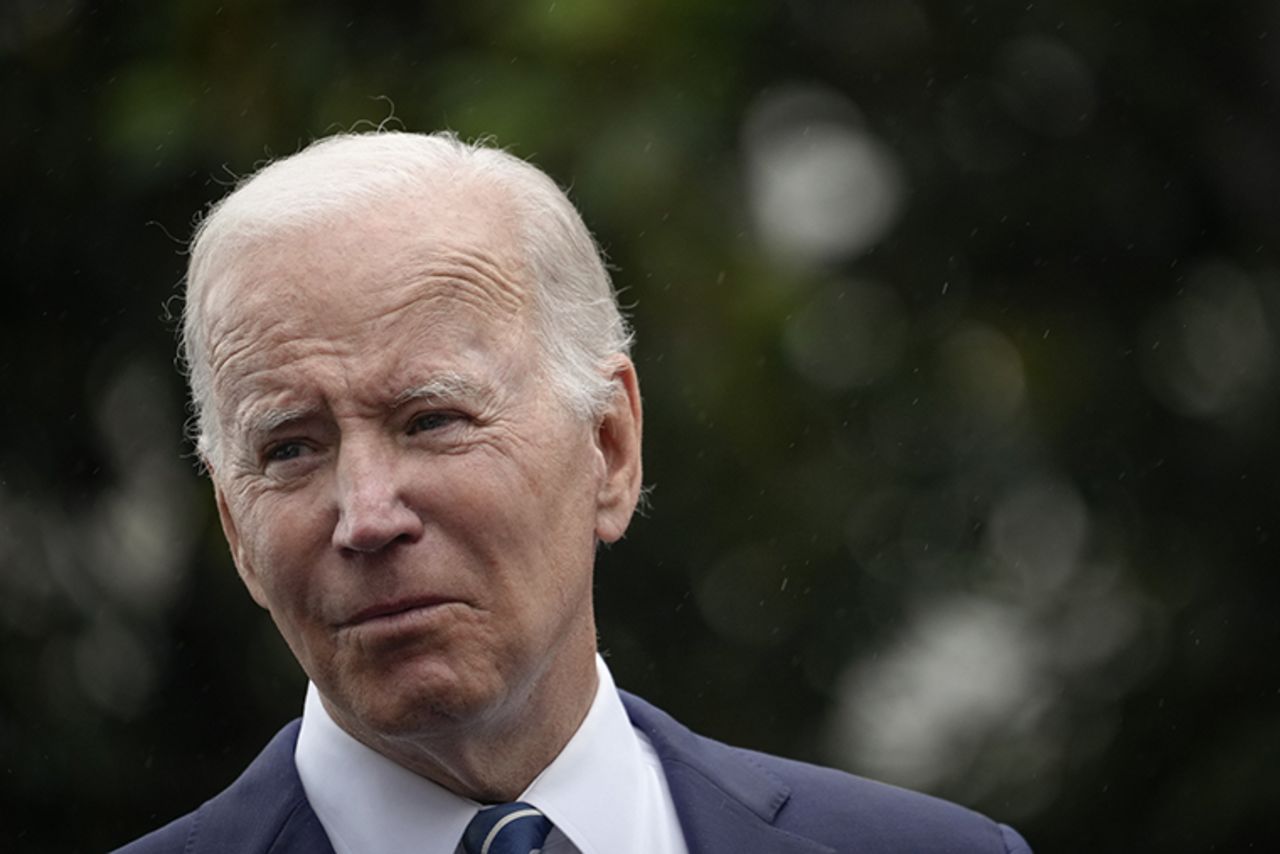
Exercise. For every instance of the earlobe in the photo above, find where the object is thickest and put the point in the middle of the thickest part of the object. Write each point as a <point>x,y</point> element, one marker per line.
<point>243,566</point>
<point>618,438</point>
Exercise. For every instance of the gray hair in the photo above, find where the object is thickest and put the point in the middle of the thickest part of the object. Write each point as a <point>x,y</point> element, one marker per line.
<point>576,316</point>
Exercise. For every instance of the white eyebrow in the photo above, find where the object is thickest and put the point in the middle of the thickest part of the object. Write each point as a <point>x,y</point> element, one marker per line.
<point>440,388</point>
<point>261,424</point>
<point>443,387</point>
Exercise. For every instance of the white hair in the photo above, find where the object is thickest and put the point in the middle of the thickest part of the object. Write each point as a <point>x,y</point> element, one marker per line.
<point>576,316</point>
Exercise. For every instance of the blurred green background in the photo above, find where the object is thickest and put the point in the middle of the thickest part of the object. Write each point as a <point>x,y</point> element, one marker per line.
<point>958,335</point>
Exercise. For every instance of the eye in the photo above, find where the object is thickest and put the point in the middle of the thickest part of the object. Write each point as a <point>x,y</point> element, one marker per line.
<point>428,421</point>
<point>284,451</point>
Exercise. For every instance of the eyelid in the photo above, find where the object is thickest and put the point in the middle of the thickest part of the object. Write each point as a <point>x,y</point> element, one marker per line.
<point>308,443</point>
<point>274,445</point>
<point>447,415</point>
<point>270,448</point>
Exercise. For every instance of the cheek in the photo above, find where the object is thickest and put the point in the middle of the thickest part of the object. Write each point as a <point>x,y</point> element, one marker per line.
<point>279,535</point>
<point>519,525</point>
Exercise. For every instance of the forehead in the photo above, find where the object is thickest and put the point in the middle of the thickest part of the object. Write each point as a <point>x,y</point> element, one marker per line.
<point>353,254</point>
<point>377,283</point>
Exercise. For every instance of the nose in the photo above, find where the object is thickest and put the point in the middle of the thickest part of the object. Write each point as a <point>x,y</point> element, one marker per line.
<point>372,509</point>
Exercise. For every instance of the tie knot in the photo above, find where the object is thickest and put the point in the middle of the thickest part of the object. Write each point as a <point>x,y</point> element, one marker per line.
<point>516,828</point>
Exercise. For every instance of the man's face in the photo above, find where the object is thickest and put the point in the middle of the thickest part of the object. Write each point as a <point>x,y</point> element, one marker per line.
<point>398,483</point>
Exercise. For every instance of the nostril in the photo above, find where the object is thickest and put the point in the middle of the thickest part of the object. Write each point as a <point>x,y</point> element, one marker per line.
<point>361,530</point>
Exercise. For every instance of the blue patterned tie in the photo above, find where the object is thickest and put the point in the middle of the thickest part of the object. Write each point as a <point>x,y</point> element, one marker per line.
<point>516,828</point>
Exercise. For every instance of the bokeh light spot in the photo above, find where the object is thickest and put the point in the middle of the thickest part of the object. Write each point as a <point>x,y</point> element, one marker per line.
<point>822,187</point>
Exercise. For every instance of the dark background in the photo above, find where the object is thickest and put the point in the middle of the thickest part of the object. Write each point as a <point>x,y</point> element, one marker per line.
<point>957,333</point>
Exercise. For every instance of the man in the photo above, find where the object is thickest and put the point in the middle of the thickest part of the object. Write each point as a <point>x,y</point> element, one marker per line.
<point>416,407</point>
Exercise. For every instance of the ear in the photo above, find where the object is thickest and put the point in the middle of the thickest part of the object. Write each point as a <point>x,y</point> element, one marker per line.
<point>230,530</point>
<point>618,434</point>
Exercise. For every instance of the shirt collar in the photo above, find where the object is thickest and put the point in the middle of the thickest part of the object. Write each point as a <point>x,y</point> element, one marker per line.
<point>599,792</point>
<point>367,803</point>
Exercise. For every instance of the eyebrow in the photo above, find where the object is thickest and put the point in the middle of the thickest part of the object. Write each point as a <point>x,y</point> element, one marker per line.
<point>440,388</point>
<point>265,423</point>
<point>447,386</point>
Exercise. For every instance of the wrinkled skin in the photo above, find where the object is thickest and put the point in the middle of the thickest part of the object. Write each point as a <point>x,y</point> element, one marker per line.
<point>403,491</point>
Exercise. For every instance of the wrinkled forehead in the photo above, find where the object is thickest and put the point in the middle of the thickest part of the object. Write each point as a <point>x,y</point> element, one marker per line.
<point>382,292</point>
<point>351,255</point>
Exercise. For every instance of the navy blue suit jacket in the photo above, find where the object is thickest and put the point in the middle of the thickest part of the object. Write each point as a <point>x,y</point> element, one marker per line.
<point>729,801</point>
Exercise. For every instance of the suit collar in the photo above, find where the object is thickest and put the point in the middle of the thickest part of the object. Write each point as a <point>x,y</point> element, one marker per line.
<point>726,802</point>
<point>265,810</point>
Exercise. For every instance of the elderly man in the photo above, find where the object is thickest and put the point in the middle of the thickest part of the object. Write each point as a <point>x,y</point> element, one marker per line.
<point>416,407</point>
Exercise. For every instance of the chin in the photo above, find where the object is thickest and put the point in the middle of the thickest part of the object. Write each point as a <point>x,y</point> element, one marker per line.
<point>423,704</point>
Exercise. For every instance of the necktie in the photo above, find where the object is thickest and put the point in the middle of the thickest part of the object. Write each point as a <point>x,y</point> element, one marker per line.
<point>516,828</point>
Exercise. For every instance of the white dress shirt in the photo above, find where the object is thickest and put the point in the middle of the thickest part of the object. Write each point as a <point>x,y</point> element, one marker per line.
<point>605,793</point>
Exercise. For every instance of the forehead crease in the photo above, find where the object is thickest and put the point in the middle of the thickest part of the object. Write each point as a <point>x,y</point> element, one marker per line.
<point>253,342</point>
<point>233,338</point>
<point>475,277</point>
<point>256,403</point>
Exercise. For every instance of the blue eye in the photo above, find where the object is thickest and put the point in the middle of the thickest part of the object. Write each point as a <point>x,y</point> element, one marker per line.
<point>428,421</point>
<point>284,451</point>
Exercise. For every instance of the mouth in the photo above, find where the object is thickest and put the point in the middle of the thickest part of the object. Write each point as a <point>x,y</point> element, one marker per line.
<point>389,612</point>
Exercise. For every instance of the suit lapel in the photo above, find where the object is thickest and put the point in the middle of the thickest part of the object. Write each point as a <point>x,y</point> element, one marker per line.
<point>265,810</point>
<point>726,804</point>
<point>302,833</point>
